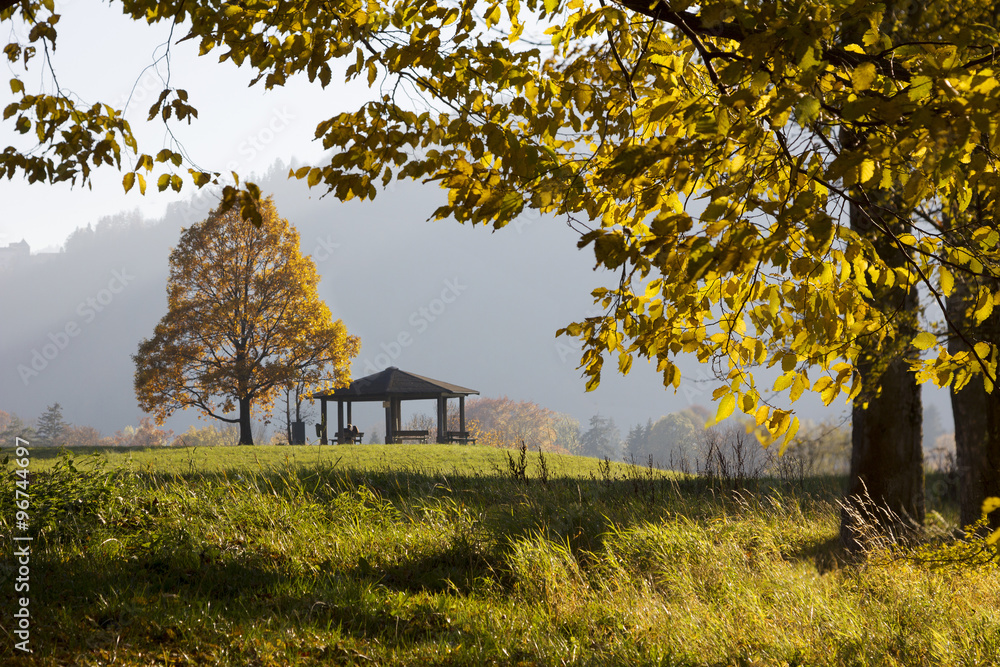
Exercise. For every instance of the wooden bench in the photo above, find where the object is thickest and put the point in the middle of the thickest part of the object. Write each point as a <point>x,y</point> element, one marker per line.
<point>463,437</point>
<point>346,438</point>
<point>403,436</point>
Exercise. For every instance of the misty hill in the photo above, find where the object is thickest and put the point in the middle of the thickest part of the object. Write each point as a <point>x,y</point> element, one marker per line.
<point>461,304</point>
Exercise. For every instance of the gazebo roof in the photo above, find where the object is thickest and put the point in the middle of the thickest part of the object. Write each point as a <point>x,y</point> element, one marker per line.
<point>394,383</point>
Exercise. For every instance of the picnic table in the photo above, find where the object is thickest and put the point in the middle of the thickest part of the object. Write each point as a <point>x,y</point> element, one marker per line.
<point>403,436</point>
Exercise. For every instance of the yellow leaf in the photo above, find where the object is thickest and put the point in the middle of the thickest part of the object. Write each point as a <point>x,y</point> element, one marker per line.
<point>863,76</point>
<point>947,281</point>
<point>789,361</point>
<point>792,430</point>
<point>129,180</point>
<point>799,385</point>
<point>624,363</point>
<point>726,407</point>
<point>991,504</point>
<point>784,382</point>
<point>984,310</point>
<point>761,415</point>
<point>866,171</point>
<point>924,340</point>
<point>830,393</point>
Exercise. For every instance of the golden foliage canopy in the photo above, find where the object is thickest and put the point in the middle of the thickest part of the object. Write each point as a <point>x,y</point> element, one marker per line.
<point>243,320</point>
<point>696,146</point>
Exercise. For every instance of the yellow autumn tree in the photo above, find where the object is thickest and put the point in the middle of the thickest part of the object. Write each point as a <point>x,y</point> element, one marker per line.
<point>244,320</point>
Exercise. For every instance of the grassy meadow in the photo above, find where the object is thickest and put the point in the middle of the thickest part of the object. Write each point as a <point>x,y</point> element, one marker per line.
<point>456,555</point>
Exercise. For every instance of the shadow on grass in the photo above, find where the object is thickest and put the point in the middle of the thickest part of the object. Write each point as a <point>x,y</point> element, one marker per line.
<point>163,597</point>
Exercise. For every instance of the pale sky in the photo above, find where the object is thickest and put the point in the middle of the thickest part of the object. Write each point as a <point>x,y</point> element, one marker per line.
<point>102,55</point>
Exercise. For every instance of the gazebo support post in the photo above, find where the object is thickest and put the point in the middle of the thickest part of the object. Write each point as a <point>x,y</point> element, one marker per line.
<point>340,422</point>
<point>322,421</point>
<point>461,414</point>
<point>397,415</point>
<point>388,422</point>
<point>442,419</point>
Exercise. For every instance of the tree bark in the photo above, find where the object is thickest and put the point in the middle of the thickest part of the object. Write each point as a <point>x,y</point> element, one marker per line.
<point>885,494</point>
<point>977,417</point>
<point>246,430</point>
<point>886,482</point>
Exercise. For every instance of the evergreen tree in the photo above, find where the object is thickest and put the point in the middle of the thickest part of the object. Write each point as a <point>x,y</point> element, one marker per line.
<point>637,443</point>
<point>602,439</point>
<point>51,426</point>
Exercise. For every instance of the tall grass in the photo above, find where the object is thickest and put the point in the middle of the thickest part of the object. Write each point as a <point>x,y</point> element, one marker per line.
<point>376,561</point>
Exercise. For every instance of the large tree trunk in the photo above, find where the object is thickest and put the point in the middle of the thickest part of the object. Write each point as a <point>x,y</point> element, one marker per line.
<point>246,432</point>
<point>977,417</point>
<point>886,483</point>
<point>885,495</point>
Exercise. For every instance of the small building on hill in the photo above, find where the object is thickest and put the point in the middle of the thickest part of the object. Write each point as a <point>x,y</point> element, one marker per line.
<point>393,386</point>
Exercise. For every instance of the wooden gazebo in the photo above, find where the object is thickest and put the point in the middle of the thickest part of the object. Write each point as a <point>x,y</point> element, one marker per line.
<point>392,386</point>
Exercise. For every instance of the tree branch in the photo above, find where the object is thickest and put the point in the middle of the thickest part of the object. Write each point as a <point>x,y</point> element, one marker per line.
<point>693,24</point>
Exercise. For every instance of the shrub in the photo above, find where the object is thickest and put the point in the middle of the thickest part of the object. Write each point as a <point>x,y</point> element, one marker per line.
<point>208,436</point>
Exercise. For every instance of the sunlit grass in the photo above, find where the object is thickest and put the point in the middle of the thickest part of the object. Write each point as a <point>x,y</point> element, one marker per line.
<point>431,459</point>
<point>424,555</point>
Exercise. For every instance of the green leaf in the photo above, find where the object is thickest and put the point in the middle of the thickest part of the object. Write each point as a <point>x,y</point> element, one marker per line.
<point>807,110</point>
<point>919,88</point>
